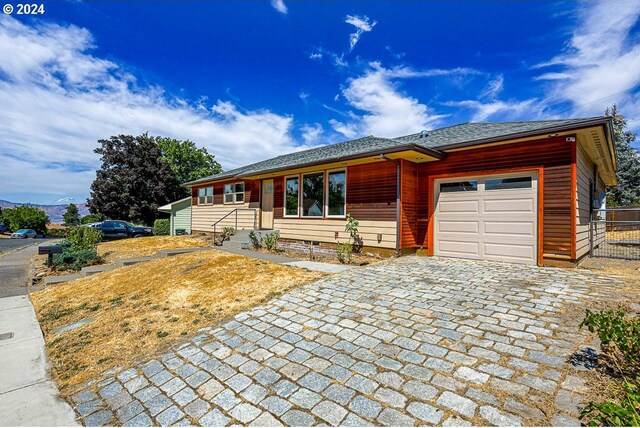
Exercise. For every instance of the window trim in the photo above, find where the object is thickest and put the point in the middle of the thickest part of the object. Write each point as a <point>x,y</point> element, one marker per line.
<point>327,172</point>
<point>205,195</point>
<point>301,193</point>
<point>233,186</point>
<point>284,208</point>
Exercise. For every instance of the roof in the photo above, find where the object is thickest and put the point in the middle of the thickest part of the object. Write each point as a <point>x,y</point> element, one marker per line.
<point>432,142</point>
<point>167,208</point>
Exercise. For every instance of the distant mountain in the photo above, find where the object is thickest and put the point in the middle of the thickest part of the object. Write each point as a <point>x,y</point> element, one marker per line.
<point>55,211</point>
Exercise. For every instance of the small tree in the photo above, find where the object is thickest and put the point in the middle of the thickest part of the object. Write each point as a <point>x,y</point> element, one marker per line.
<point>627,191</point>
<point>25,217</point>
<point>92,218</point>
<point>71,217</point>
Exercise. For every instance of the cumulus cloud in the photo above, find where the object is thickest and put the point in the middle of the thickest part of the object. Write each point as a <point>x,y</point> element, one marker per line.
<point>387,112</point>
<point>512,110</point>
<point>601,61</point>
<point>362,24</point>
<point>58,99</point>
<point>311,133</point>
<point>279,6</point>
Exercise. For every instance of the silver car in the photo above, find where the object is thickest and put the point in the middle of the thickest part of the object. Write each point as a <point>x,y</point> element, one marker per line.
<point>23,233</point>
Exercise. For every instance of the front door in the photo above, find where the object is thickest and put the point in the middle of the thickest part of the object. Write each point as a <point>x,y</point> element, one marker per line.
<point>266,205</point>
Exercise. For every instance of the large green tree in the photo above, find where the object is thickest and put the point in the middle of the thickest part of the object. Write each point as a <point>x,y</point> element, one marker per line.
<point>187,161</point>
<point>25,217</point>
<point>627,191</point>
<point>71,217</point>
<point>133,181</point>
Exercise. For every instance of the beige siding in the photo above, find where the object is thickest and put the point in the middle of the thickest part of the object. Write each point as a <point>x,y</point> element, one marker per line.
<point>584,176</point>
<point>181,219</point>
<point>323,230</point>
<point>203,217</point>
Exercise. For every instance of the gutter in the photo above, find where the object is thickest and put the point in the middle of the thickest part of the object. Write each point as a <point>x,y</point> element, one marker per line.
<point>398,178</point>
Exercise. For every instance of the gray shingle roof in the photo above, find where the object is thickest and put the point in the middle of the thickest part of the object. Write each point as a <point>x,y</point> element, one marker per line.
<point>434,140</point>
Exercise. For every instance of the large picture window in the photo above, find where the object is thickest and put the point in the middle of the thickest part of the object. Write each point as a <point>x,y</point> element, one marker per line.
<point>205,196</point>
<point>312,192</point>
<point>234,193</point>
<point>336,193</point>
<point>292,200</point>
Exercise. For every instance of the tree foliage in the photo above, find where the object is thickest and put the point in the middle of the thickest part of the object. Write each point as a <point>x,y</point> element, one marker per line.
<point>187,161</point>
<point>25,217</point>
<point>627,191</point>
<point>92,218</point>
<point>133,181</point>
<point>71,217</point>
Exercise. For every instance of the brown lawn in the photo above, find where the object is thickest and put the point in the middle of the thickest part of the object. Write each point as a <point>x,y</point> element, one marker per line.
<point>148,246</point>
<point>138,310</point>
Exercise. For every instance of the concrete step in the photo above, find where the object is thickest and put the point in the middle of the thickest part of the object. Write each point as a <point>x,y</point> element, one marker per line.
<point>171,253</point>
<point>61,278</point>
<point>92,270</point>
<point>133,261</point>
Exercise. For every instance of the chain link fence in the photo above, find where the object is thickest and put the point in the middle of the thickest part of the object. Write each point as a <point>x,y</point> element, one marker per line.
<point>615,233</point>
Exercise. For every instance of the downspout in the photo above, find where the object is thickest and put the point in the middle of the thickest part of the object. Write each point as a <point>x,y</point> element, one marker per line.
<point>397,162</point>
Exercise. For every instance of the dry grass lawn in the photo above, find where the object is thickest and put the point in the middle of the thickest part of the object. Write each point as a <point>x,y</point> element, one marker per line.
<point>148,246</point>
<point>140,309</point>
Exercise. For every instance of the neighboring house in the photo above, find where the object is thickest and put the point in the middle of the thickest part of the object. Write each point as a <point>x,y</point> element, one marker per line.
<point>510,191</point>
<point>180,212</point>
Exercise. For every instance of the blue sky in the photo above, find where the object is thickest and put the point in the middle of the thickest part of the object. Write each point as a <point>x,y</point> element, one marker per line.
<point>254,79</point>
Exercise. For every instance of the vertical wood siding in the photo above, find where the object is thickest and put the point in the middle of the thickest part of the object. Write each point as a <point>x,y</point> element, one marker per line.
<point>553,154</point>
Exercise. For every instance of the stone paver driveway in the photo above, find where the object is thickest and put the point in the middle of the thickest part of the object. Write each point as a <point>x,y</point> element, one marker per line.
<point>412,341</point>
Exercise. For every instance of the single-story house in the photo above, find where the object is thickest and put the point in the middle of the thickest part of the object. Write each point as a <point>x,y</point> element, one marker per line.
<point>509,191</point>
<point>180,220</point>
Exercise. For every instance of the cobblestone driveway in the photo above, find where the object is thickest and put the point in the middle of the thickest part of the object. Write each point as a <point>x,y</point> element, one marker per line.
<point>412,341</point>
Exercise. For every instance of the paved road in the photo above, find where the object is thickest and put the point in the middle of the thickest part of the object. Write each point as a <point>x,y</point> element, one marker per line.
<point>7,245</point>
<point>14,268</point>
<point>412,341</point>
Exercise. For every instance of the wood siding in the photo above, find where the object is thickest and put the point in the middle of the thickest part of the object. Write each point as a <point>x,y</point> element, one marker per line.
<point>371,191</point>
<point>203,216</point>
<point>584,187</point>
<point>553,154</point>
<point>409,205</point>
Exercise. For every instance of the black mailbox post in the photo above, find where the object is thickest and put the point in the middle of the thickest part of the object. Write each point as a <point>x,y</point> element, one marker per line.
<point>50,250</point>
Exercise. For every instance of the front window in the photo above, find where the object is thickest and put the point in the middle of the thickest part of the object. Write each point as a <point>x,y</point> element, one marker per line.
<point>293,196</point>
<point>336,193</point>
<point>312,191</point>
<point>205,195</point>
<point>234,193</point>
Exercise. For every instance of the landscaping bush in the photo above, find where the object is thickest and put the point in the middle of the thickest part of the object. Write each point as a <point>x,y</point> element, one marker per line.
<point>57,233</point>
<point>256,239</point>
<point>229,231</point>
<point>271,240</point>
<point>83,238</point>
<point>92,218</point>
<point>343,250</point>
<point>162,227</point>
<point>619,335</point>
<point>75,260</point>
<point>352,228</point>
<point>25,217</point>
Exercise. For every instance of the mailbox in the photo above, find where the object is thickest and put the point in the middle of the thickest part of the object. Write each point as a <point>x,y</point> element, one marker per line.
<point>50,250</point>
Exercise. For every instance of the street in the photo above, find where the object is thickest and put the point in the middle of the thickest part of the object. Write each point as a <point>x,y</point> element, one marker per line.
<point>7,245</point>
<point>14,267</point>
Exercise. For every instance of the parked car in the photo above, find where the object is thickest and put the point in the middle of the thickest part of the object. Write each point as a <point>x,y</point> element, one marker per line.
<point>3,228</point>
<point>118,229</point>
<point>24,233</point>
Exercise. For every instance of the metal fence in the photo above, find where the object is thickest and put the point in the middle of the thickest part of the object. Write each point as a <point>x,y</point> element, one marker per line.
<point>615,233</point>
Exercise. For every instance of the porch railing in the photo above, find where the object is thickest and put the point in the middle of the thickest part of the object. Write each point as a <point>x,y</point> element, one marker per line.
<point>235,212</point>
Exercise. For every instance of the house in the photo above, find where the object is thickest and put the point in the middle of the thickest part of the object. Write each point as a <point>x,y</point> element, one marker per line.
<point>510,191</point>
<point>180,220</point>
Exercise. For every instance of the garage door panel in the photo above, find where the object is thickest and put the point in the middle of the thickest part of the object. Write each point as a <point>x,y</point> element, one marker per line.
<point>496,224</point>
<point>461,206</point>
<point>459,226</point>
<point>509,205</point>
<point>516,228</point>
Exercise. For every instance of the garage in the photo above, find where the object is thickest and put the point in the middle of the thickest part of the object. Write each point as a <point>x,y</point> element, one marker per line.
<point>490,217</point>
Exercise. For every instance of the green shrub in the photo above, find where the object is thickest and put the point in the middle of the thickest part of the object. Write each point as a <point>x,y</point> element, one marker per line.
<point>271,240</point>
<point>614,414</point>
<point>83,238</point>
<point>256,239</point>
<point>57,233</point>
<point>25,217</point>
<point>620,338</point>
<point>92,218</point>
<point>162,227</point>
<point>352,227</point>
<point>228,231</point>
<point>75,260</point>
<point>343,250</point>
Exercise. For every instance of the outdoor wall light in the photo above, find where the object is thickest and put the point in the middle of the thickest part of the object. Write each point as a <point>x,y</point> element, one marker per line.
<point>335,235</point>
<point>379,238</point>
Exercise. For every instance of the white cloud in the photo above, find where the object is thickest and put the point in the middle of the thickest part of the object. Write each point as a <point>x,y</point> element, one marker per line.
<point>303,96</point>
<point>362,24</point>
<point>512,110</point>
<point>279,6</point>
<point>493,88</point>
<point>311,133</point>
<point>387,111</point>
<point>315,55</point>
<point>601,63</point>
<point>58,99</point>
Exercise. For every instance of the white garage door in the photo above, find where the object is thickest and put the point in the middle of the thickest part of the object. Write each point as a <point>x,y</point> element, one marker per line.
<point>488,218</point>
